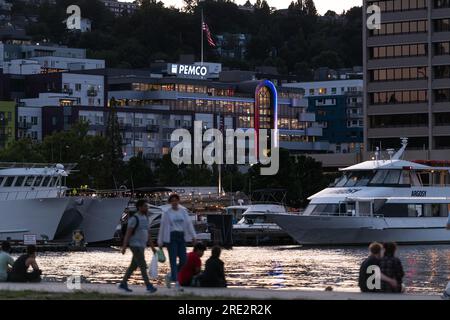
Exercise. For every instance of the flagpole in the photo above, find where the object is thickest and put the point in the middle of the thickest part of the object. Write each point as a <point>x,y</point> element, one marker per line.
<point>202,44</point>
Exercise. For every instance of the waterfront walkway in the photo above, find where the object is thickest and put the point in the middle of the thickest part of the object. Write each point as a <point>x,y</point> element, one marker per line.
<point>231,293</point>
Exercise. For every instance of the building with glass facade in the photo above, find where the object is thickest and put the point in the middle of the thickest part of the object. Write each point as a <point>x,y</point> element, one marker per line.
<point>407,78</point>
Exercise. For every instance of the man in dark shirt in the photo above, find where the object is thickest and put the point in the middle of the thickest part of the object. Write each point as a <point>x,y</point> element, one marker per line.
<point>391,266</point>
<point>368,269</point>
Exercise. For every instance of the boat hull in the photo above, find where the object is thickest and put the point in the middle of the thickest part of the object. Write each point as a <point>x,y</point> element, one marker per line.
<point>336,230</point>
<point>100,217</point>
<point>40,217</point>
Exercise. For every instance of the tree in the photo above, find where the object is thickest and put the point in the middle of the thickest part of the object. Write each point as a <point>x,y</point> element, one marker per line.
<point>23,150</point>
<point>114,153</point>
<point>139,173</point>
<point>168,173</point>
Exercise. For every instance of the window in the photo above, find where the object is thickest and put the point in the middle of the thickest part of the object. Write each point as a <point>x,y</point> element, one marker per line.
<point>442,95</point>
<point>399,97</point>
<point>408,50</point>
<point>78,87</point>
<point>398,74</point>
<point>9,181</point>
<point>442,25</point>
<point>19,181</point>
<point>442,48</point>
<point>46,181</point>
<point>401,5</point>
<point>401,28</point>
<point>37,182</point>
<point>29,181</point>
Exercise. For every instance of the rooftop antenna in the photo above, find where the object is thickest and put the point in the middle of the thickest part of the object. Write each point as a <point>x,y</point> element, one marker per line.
<point>400,152</point>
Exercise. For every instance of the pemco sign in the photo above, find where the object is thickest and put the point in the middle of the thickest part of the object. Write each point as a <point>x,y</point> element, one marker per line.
<point>188,71</point>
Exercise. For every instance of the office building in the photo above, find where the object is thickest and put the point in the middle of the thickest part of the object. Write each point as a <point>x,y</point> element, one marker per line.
<point>407,78</point>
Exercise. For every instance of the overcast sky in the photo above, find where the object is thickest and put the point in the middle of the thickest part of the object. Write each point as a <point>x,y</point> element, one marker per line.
<point>322,5</point>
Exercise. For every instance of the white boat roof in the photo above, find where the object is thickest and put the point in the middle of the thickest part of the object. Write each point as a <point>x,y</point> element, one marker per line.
<point>33,172</point>
<point>389,165</point>
<point>265,208</point>
<point>238,207</point>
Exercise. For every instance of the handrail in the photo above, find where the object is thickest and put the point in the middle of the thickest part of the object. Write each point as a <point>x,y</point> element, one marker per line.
<point>10,165</point>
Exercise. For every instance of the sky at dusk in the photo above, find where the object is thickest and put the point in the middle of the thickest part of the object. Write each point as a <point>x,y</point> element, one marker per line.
<point>322,5</point>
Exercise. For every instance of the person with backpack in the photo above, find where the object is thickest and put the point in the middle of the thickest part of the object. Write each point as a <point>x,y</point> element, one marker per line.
<point>175,231</point>
<point>137,237</point>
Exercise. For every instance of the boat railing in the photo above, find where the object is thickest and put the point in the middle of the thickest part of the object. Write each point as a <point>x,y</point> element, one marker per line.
<point>31,194</point>
<point>12,165</point>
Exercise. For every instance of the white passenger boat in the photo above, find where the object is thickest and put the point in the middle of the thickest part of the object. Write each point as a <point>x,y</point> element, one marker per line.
<point>33,200</point>
<point>379,200</point>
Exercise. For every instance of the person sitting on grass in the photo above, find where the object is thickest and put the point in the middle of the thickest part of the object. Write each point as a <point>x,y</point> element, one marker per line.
<point>214,275</point>
<point>193,266</point>
<point>19,271</point>
<point>6,261</point>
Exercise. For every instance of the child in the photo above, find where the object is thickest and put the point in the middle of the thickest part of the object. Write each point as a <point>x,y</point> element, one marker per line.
<point>192,267</point>
<point>214,275</point>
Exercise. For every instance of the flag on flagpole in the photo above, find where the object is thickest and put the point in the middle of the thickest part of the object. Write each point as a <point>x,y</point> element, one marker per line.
<point>208,35</point>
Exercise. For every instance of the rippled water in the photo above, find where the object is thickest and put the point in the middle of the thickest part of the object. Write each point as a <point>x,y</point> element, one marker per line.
<point>427,267</point>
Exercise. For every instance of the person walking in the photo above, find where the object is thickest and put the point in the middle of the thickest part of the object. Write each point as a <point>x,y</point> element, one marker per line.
<point>137,237</point>
<point>19,271</point>
<point>175,231</point>
<point>6,261</point>
<point>392,267</point>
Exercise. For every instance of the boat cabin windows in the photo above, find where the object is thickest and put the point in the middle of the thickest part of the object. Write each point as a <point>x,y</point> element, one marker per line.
<point>19,181</point>
<point>378,178</point>
<point>46,181</point>
<point>29,181</point>
<point>9,181</point>
<point>394,210</point>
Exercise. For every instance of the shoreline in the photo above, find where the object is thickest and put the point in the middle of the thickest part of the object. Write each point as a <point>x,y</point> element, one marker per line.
<point>59,290</point>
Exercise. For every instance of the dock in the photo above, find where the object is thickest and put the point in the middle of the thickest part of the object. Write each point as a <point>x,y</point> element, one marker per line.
<point>203,293</point>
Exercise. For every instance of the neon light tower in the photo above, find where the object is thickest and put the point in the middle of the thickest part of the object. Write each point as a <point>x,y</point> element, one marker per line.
<point>266,111</point>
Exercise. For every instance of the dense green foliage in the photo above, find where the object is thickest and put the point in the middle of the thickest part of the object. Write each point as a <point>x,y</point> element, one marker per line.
<point>295,40</point>
<point>100,167</point>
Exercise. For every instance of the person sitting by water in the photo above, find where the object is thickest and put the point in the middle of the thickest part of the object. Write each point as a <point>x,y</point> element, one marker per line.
<point>392,267</point>
<point>193,266</point>
<point>6,261</point>
<point>19,271</point>
<point>214,274</point>
<point>366,283</point>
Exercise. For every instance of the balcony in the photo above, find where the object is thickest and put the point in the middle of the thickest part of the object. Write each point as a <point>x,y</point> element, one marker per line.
<point>152,128</point>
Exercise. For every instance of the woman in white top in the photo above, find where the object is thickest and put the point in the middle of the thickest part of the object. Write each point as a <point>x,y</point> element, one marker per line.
<point>175,231</point>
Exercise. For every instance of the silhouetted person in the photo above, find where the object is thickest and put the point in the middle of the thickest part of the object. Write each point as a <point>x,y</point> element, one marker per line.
<point>374,260</point>
<point>6,261</point>
<point>214,275</point>
<point>19,271</point>
<point>392,267</point>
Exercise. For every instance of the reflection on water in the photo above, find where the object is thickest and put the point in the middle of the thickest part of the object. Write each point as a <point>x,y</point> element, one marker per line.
<point>427,267</point>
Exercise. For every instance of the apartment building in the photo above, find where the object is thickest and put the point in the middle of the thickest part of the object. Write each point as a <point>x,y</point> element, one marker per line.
<point>338,109</point>
<point>407,78</point>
